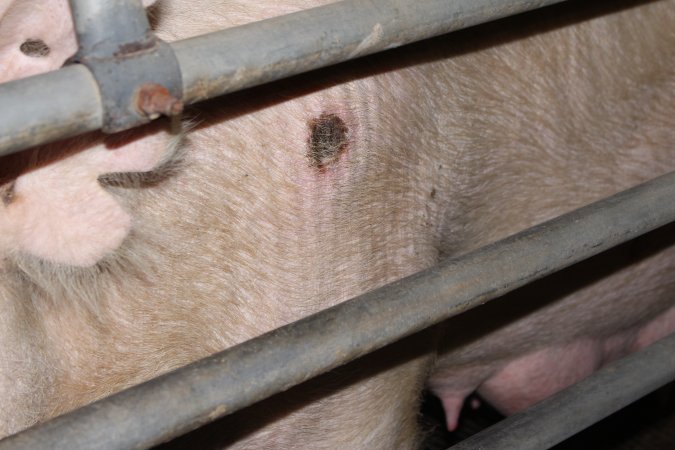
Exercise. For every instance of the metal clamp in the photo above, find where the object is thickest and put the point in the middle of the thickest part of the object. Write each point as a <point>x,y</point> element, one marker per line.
<point>138,75</point>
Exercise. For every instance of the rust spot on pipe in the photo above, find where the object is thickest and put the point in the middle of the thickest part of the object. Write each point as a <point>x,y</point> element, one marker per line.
<point>328,139</point>
<point>153,99</point>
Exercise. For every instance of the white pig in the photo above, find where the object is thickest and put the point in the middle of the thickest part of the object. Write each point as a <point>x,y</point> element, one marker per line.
<point>126,256</point>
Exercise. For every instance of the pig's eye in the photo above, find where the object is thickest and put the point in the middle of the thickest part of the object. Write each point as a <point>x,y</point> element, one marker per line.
<point>35,48</point>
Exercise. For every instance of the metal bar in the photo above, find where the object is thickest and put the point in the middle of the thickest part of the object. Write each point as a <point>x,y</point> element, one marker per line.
<point>555,419</point>
<point>47,107</point>
<point>256,53</point>
<point>102,27</point>
<point>138,76</point>
<point>178,402</point>
<point>245,56</point>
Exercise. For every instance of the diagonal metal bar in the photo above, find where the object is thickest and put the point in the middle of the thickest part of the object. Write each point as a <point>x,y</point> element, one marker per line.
<point>187,398</point>
<point>245,56</point>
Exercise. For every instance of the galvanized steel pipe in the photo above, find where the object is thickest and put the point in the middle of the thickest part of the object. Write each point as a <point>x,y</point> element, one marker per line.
<point>47,107</point>
<point>178,402</point>
<point>138,76</point>
<point>102,26</point>
<point>246,56</point>
<point>581,405</point>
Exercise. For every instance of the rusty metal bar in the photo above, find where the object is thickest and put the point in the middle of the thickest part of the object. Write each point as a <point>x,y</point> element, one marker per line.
<point>246,56</point>
<point>568,412</point>
<point>175,403</point>
<point>138,76</point>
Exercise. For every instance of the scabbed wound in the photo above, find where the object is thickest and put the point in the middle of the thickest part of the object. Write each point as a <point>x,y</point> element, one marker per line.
<point>61,213</point>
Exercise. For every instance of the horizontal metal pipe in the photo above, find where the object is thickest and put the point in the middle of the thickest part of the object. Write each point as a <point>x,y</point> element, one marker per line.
<point>47,107</point>
<point>175,403</point>
<point>246,56</point>
<point>583,404</point>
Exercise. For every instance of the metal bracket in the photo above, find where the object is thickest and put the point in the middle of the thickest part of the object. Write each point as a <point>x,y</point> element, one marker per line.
<point>138,75</point>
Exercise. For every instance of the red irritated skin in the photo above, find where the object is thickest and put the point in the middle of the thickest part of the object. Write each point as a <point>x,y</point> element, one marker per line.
<point>126,256</point>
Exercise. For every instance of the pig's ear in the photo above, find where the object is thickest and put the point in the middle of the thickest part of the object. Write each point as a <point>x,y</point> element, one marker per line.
<point>61,213</point>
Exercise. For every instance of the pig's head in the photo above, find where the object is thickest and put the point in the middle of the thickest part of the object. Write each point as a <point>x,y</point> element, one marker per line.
<point>54,207</point>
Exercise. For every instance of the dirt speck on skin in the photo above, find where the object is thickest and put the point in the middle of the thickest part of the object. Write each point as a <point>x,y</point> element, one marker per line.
<point>7,193</point>
<point>35,48</point>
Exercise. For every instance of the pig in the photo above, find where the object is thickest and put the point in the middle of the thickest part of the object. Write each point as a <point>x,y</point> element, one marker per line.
<point>129,255</point>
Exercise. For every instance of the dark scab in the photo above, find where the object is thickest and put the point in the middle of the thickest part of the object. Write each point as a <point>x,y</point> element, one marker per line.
<point>35,48</point>
<point>432,194</point>
<point>328,139</point>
